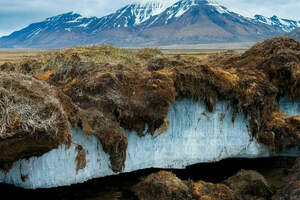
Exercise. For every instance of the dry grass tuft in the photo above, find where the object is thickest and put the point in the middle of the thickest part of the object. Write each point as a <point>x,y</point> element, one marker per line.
<point>31,118</point>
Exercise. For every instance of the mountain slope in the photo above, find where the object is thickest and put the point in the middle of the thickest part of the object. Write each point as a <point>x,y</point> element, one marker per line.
<point>60,30</point>
<point>295,34</point>
<point>152,23</point>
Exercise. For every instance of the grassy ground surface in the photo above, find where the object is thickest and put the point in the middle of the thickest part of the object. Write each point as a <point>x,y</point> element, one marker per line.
<point>17,55</point>
<point>12,55</point>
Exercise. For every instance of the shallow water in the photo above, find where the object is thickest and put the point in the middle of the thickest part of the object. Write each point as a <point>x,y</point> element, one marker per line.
<point>118,187</point>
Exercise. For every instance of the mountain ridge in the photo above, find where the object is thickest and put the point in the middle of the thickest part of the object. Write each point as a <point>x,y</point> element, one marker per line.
<point>188,21</point>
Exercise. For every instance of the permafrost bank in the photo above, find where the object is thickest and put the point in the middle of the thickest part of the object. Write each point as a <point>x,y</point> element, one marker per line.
<point>194,136</point>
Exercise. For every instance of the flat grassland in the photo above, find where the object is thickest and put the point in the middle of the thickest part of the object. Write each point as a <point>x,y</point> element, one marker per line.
<point>200,50</point>
<point>12,55</point>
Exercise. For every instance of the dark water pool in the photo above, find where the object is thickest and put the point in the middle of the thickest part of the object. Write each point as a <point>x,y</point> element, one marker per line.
<point>118,187</point>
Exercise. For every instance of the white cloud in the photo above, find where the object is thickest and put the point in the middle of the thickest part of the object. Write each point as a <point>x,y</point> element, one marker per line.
<point>282,8</point>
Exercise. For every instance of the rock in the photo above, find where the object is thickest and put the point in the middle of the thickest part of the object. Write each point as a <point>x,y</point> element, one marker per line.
<point>249,185</point>
<point>291,188</point>
<point>165,185</point>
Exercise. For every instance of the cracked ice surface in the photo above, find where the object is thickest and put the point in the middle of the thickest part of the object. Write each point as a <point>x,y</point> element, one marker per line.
<point>194,136</point>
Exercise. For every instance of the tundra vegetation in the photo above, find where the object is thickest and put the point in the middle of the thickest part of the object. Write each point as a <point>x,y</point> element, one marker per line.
<point>104,90</point>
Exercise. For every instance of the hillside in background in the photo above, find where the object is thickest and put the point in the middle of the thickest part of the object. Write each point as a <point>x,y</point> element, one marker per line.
<point>295,34</point>
<point>152,23</point>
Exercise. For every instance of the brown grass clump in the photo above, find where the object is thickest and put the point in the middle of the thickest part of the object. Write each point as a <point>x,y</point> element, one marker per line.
<point>209,191</point>
<point>162,185</point>
<point>249,185</point>
<point>278,58</point>
<point>32,120</point>
<point>283,130</point>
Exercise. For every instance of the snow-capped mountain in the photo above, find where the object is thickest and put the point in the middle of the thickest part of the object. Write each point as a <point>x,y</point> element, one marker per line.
<point>286,25</point>
<point>204,21</point>
<point>151,23</point>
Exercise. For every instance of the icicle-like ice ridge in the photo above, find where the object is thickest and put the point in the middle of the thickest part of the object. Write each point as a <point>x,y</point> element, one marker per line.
<point>194,136</point>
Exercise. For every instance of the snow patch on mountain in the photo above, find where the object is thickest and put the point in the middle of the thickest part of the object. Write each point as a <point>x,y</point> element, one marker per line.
<point>76,20</point>
<point>34,33</point>
<point>286,25</point>
<point>218,7</point>
<point>181,7</point>
<point>84,25</point>
<point>65,17</point>
<point>137,13</point>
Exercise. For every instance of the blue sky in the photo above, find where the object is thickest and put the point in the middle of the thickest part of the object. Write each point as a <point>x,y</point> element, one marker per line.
<point>16,14</point>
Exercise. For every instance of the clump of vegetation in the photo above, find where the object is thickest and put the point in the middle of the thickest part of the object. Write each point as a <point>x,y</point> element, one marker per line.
<point>249,185</point>
<point>31,118</point>
<point>162,185</point>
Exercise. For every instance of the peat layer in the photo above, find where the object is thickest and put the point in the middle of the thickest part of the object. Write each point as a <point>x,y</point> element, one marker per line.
<point>104,90</point>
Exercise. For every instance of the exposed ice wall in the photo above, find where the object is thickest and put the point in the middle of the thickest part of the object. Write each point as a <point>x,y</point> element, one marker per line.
<point>291,108</point>
<point>194,136</point>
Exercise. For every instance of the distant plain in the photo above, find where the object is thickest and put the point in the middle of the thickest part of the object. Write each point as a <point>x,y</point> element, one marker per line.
<point>15,55</point>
